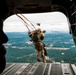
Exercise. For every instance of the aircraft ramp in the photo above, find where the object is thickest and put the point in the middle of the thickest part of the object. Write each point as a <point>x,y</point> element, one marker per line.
<point>39,69</point>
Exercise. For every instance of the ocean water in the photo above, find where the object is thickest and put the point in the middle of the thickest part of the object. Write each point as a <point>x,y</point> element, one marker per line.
<point>60,47</point>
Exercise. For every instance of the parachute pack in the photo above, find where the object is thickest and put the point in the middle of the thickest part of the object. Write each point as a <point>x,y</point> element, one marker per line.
<point>35,37</point>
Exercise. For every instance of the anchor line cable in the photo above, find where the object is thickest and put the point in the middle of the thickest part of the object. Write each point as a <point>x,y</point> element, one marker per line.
<point>24,22</point>
<point>28,20</point>
<point>34,28</point>
<point>27,23</point>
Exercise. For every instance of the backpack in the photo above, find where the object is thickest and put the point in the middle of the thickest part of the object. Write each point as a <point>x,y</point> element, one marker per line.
<point>35,37</point>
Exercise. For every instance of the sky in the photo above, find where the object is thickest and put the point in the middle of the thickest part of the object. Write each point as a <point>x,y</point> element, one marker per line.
<point>52,21</point>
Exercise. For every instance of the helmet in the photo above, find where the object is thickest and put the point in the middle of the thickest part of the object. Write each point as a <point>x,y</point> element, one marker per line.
<point>38,30</point>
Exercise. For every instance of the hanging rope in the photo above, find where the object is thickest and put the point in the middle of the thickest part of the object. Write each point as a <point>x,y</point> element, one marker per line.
<point>23,18</point>
<point>27,23</point>
<point>28,20</point>
<point>24,22</point>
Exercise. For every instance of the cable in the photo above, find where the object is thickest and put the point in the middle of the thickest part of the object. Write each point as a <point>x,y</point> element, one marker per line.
<point>26,24</point>
<point>24,21</point>
<point>15,12</point>
<point>28,20</point>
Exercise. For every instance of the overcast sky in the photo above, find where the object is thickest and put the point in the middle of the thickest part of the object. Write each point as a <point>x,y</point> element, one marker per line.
<point>52,21</point>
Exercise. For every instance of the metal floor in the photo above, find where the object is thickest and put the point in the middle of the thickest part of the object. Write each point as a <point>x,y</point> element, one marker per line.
<point>39,69</point>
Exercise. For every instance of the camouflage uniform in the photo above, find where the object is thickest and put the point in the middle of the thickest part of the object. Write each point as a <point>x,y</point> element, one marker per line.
<point>39,46</point>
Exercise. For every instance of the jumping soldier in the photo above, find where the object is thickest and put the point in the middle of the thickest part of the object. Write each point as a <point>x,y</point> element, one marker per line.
<point>37,36</point>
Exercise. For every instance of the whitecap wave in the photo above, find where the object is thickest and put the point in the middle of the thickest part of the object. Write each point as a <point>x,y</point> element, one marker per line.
<point>66,42</point>
<point>62,53</point>
<point>73,46</point>
<point>18,47</point>
<point>21,47</point>
<point>14,47</point>
<point>29,42</point>
<point>62,61</point>
<point>56,48</point>
<point>51,45</point>
<point>8,44</point>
